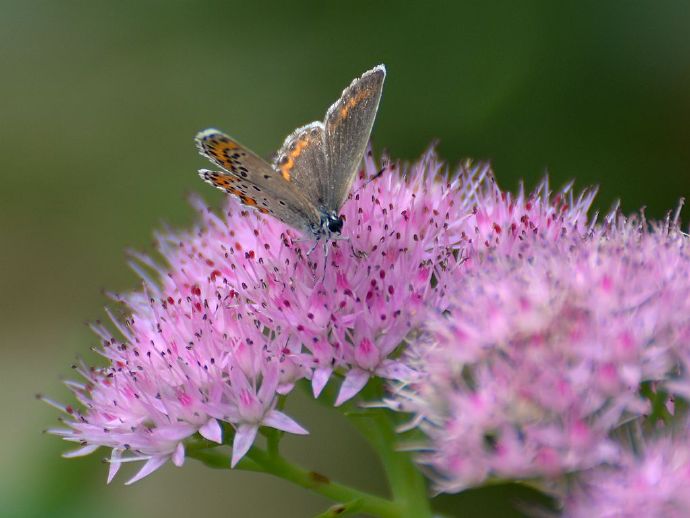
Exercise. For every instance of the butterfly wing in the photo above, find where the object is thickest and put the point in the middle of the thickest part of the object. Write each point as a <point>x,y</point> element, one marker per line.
<point>347,127</point>
<point>302,159</point>
<point>254,182</point>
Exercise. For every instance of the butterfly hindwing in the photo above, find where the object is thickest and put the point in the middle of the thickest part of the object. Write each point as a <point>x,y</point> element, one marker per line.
<point>254,182</point>
<point>302,159</point>
<point>347,128</point>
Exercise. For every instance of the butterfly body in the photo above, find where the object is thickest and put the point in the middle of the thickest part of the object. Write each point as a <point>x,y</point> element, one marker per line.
<point>311,176</point>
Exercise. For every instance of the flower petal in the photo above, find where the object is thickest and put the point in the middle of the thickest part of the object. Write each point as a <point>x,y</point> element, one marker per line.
<point>178,455</point>
<point>353,383</point>
<point>244,438</point>
<point>212,431</point>
<point>280,421</point>
<point>269,383</point>
<point>114,464</point>
<point>366,354</point>
<point>319,379</point>
<point>151,465</point>
<point>396,370</point>
<point>89,448</point>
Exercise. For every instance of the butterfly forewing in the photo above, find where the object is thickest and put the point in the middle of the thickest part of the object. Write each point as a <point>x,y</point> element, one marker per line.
<point>254,181</point>
<point>347,128</point>
<point>302,160</point>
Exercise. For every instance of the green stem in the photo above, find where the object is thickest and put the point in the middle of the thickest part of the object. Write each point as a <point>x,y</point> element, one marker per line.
<point>259,460</point>
<point>378,427</point>
<point>406,482</point>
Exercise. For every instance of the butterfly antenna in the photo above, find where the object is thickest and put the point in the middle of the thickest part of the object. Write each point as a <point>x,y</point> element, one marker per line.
<point>316,242</point>
<point>379,172</point>
<point>326,248</point>
<point>375,177</point>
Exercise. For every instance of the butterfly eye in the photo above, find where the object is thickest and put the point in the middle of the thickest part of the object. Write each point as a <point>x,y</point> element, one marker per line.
<point>335,225</point>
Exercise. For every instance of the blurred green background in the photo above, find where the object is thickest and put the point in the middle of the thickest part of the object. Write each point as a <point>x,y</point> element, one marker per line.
<point>99,102</point>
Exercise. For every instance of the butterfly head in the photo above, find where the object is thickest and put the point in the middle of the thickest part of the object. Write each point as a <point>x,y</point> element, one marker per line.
<point>331,224</point>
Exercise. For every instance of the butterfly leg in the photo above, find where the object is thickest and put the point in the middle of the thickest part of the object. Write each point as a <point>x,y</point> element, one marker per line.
<point>326,249</point>
<point>316,242</point>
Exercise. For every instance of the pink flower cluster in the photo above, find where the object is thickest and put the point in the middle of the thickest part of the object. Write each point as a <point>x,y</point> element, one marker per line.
<point>654,483</point>
<point>521,337</point>
<point>553,329</point>
<point>239,312</point>
<point>182,366</point>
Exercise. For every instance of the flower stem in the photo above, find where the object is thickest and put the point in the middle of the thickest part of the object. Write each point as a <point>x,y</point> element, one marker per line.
<point>378,427</point>
<point>259,460</point>
<point>405,480</point>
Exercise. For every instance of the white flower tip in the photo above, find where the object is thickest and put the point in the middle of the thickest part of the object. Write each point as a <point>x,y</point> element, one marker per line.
<point>178,455</point>
<point>244,438</point>
<point>114,461</point>
<point>280,421</point>
<point>319,380</point>
<point>212,431</point>
<point>86,450</point>
<point>149,467</point>
<point>353,383</point>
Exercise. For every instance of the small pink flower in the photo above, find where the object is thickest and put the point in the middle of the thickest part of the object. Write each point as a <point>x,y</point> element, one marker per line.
<point>251,407</point>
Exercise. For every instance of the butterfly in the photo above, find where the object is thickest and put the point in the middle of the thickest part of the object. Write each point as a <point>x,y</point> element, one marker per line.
<point>311,176</point>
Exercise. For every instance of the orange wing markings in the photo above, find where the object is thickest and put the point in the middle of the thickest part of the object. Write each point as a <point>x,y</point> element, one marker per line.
<point>223,150</point>
<point>225,183</point>
<point>354,101</point>
<point>221,181</point>
<point>287,163</point>
<point>367,87</point>
<point>248,200</point>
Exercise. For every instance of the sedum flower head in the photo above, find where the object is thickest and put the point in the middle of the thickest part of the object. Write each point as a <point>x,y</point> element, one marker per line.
<point>239,311</point>
<point>546,345</point>
<point>180,368</point>
<point>348,305</point>
<point>502,223</point>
